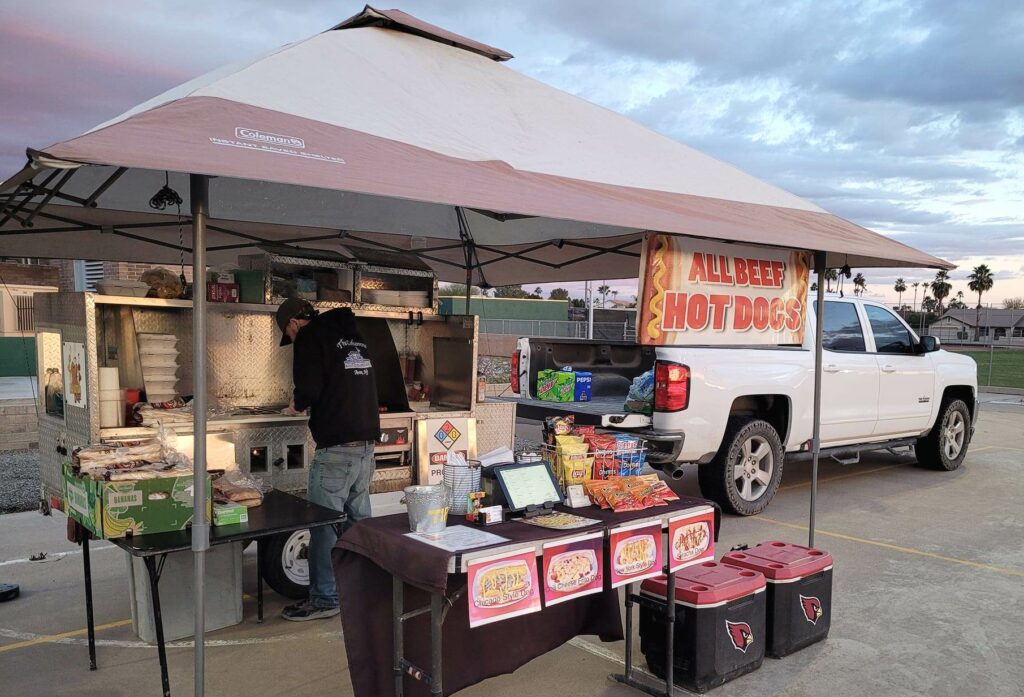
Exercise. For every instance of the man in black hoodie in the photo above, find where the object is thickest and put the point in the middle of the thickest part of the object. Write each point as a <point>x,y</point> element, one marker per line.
<point>334,379</point>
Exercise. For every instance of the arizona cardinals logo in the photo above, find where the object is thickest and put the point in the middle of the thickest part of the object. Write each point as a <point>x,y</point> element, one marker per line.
<point>812,608</point>
<point>740,634</point>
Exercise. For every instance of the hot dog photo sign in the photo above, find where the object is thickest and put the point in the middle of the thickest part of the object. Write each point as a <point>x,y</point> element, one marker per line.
<point>701,292</point>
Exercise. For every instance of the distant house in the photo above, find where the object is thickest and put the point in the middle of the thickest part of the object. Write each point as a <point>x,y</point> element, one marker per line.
<point>961,324</point>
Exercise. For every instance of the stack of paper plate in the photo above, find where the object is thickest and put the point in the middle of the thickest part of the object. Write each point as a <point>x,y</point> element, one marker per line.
<point>382,297</point>
<point>415,298</point>
<point>159,356</point>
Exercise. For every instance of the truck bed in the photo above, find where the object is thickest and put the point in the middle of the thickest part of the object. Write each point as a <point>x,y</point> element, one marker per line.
<point>600,411</point>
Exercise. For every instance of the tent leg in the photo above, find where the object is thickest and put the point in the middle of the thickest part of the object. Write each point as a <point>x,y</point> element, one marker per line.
<point>819,333</point>
<point>199,187</point>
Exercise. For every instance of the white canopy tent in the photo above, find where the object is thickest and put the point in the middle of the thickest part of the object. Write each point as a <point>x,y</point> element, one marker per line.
<point>390,132</point>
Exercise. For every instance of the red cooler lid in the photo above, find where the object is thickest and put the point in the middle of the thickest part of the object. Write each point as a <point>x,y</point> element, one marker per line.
<point>709,583</point>
<point>781,561</point>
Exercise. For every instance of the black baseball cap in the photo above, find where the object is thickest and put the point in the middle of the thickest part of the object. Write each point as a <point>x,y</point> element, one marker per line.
<point>292,308</point>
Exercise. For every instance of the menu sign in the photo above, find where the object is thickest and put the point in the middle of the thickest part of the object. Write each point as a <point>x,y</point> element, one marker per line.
<point>691,539</point>
<point>503,586</point>
<point>701,292</point>
<point>573,568</point>
<point>635,553</point>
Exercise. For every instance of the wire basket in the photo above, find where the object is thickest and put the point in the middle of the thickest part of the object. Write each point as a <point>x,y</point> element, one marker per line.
<point>627,457</point>
<point>462,477</point>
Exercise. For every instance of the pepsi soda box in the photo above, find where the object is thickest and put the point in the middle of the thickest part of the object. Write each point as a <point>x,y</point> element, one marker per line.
<point>583,391</point>
<point>719,624</point>
<point>799,597</point>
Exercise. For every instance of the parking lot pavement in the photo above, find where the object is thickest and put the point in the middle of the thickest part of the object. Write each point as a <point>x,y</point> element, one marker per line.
<point>928,596</point>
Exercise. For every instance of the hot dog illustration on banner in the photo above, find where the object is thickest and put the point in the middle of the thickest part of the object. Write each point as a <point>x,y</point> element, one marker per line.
<point>701,292</point>
<point>573,568</point>
<point>634,553</point>
<point>691,539</point>
<point>503,586</point>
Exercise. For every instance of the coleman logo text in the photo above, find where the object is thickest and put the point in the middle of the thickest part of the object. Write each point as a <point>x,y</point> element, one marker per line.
<point>271,138</point>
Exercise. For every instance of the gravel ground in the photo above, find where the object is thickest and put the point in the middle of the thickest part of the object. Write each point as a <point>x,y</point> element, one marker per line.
<point>19,480</point>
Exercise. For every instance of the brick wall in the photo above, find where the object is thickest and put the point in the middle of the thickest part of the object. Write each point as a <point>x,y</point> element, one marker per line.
<point>29,274</point>
<point>130,271</point>
<point>19,426</point>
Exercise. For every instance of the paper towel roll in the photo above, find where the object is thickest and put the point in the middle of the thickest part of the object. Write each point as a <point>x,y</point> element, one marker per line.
<point>109,379</point>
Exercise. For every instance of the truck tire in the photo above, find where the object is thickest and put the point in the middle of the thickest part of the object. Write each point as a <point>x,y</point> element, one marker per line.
<point>284,566</point>
<point>747,469</point>
<point>946,444</point>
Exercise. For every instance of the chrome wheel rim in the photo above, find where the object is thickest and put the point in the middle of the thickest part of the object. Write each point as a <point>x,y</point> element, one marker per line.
<point>294,558</point>
<point>954,433</point>
<point>752,472</point>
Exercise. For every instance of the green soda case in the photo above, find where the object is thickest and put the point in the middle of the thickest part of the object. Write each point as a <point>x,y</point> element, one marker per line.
<point>556,385</point>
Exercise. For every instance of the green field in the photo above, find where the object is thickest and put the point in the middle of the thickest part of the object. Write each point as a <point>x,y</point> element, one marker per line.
<point>1007,366</point>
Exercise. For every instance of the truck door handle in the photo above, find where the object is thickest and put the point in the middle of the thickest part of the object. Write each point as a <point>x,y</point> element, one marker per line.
<point>831,368</point>
<point>888,368</point>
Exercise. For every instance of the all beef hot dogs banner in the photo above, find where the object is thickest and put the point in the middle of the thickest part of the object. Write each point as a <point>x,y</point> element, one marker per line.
<point>701,292</point>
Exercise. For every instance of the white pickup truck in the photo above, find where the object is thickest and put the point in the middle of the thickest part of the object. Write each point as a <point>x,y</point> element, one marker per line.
<point>740,412</point>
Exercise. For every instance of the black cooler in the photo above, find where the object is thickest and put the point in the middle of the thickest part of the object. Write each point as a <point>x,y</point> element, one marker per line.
<point>799,592</point>
<point>719,627</point>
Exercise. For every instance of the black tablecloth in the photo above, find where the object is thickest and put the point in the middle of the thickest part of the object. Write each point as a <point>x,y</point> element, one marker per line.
<point>373,549</point>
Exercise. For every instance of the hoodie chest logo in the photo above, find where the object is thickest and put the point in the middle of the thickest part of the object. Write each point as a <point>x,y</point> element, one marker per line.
<point>355,360</point>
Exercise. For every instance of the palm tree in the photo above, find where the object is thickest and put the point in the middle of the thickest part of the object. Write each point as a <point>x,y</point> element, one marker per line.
<point>860,284</point>
<point>830,275</point>
<point>900,288</point>
<point>603,291</point>
<point>941,288</point>
<point>980,281</point>
<point>916,285</point>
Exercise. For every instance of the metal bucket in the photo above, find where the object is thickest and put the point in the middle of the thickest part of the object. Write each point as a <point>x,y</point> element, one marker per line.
<point>428,507</point>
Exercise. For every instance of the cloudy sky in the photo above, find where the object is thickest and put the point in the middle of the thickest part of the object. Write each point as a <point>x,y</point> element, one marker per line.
<point>905,117</point>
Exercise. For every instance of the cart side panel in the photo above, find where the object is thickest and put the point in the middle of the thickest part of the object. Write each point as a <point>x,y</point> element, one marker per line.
<point>69,314</point>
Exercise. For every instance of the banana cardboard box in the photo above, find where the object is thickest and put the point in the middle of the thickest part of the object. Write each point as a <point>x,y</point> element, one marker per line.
<point>118,509</point>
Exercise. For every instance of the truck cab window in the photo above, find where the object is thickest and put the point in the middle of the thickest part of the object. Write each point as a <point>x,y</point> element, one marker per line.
<point>890,334</point>
<point>842,327</point>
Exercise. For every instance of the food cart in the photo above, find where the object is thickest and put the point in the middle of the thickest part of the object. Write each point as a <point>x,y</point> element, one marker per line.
<point>416,351</point>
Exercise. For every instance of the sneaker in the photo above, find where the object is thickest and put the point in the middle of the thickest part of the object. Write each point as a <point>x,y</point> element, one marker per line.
<point>307,610</point>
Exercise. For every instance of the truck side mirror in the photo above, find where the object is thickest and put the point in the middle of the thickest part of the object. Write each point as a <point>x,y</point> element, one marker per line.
<point>928,344</point>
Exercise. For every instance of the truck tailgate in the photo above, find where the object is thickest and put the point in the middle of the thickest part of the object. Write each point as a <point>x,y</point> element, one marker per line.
<point>601,411</point>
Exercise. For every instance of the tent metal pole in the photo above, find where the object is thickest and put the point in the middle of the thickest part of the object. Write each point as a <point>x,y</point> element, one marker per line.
<point>819,334</point>
<point>199,188</point>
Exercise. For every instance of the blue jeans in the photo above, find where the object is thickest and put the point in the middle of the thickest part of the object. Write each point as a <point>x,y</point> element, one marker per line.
<point>339,478</point>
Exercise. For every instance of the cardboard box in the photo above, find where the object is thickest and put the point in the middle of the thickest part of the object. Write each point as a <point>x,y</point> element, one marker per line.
<point>230,514</point>
<point>222,292</point>
<point>556,385</point>
<point>117,509</point>
<point>583,390</point>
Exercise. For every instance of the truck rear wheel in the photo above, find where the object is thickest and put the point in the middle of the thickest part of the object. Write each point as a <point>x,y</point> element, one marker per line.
<point>285,566</point>
<point>945,447</point>
<point>745,473</point>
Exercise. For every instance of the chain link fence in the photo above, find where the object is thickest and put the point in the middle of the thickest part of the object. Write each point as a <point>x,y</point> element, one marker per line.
<point>990,334</point>
<point>555,329</point>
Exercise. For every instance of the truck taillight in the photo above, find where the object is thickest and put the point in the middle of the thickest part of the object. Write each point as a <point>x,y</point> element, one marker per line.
<point>514,372</point>
<point>671,386</point>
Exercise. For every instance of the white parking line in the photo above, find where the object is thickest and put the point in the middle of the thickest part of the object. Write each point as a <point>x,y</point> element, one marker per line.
<point>184,644</point>
<point>601,652</point>
<point>55,556</point>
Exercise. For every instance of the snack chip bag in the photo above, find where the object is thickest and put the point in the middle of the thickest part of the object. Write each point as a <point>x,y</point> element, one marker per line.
<point>557,426</point>
<point>575,465</point>
<point>622,501</point>
<point>602,446</point>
